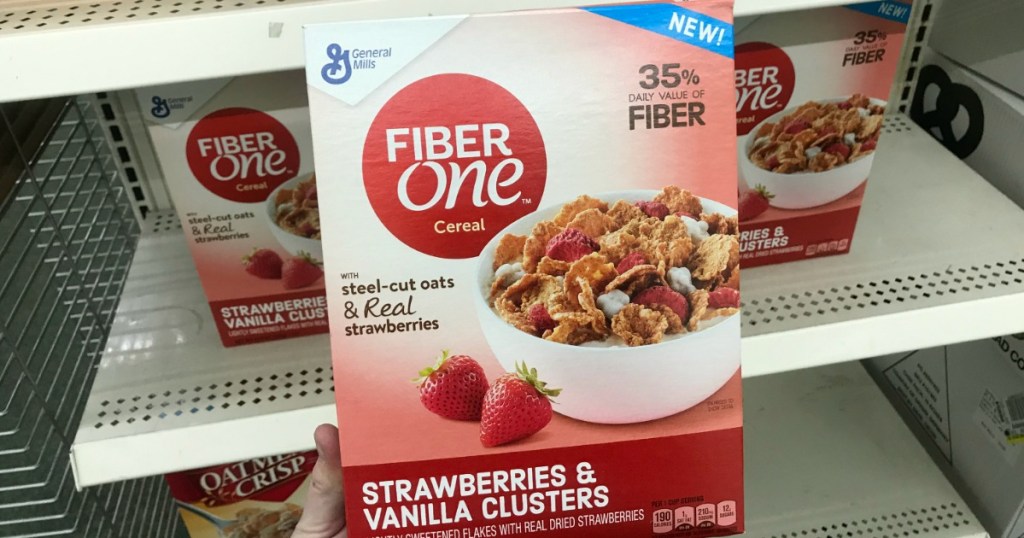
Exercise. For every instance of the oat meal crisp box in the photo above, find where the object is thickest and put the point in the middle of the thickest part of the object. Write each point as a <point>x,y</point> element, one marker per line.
<point>258,498</point>
<point>811,91</point>
<point>238,162</point>
<point>532,264</point>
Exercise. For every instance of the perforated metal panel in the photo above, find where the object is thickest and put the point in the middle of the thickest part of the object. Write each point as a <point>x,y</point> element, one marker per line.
<point>935,519</point>
<point>67,236</point>
<point>25,16</point>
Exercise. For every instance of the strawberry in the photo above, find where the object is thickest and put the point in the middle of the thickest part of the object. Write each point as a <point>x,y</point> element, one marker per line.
<point>630,261</point>
<point>570,245</point>
<point>657,210</point>
<point>681,214</point>
<point>838,148</point>
<point>572,235</point>
<point>541,318</point>
<point>666,296</point>
<point>724,298</point>
<point>263,263</point>
<point>301,271</point>
<point>754,202</point>
<point>453,387</point>
<point>516,406</point>
<point>772,163</point>
<point>568,252</point>
<point>869,144</point>
<point>797,126</point>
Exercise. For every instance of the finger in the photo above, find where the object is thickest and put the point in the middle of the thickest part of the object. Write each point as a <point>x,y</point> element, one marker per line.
<point>324,513</point>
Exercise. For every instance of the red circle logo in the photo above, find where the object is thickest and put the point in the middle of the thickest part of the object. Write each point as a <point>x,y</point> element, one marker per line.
<point>764,83</point>
<point>450,161</point>
<point>241,154</point>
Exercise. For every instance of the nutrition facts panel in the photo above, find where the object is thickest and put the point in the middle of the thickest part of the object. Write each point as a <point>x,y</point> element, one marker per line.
<point>690,516</point>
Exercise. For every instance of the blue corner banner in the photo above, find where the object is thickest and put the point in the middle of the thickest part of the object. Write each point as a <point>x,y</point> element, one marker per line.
<point>893,11</point>
<point>675,22</point>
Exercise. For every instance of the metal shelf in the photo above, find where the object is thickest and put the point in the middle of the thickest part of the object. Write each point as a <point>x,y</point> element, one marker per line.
<point>937,259</point>
<point>933,263</point>
<point>828,457</point>
<point>55,47</point>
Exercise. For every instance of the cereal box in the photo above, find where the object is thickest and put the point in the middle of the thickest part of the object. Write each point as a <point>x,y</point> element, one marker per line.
<point>532,264</point>
<point>259,498</point>
<point>239,166</point>
<point>965,403</point>
<point>811,90</point>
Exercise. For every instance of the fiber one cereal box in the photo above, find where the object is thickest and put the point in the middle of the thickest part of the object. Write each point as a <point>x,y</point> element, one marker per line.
<point>238,162</point>
<point>259,498</point>
<point>811,90</point>
<point>531,256</point>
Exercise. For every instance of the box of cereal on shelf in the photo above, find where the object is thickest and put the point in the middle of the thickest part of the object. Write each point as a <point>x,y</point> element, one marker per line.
<point>238,162</point>
<point>965,403</point>
<point>531,256</point>
<point>811,93</point>
<point>258,498</point>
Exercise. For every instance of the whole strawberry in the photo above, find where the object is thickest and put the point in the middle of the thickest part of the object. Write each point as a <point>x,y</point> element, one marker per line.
<point>754,202</point>
<point>263,263</point>
<point>453,387</point>
<point>516,406</point>
<point>300,271</point>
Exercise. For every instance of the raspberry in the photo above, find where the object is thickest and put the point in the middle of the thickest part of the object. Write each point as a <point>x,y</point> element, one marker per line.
<point>666,296</point>
<point>570,245</point>
<point>631,260</point>
<point>540,318</point>
<point>797,126</point>
<point>657,210</point>
<point>724,298</point>
<point>838,148</point>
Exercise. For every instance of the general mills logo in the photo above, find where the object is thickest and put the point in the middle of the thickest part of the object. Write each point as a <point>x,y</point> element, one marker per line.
<point>339,69</point>
<point>160,107</point>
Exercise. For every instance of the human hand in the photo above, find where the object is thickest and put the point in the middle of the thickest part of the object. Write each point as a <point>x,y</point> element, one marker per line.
<point>324,513</point>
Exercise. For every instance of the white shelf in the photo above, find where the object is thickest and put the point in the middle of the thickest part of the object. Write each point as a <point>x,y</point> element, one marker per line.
<point>828,457</point>
<point>57,47</point>
<point>937,260</point>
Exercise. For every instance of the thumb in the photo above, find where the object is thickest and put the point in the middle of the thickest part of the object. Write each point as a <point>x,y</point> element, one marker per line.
<point>324,513</point>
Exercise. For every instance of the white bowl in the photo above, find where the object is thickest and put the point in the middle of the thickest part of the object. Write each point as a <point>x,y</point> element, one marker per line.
<point>291,242</point>
<point>804,189</point>
<point>614,385</point>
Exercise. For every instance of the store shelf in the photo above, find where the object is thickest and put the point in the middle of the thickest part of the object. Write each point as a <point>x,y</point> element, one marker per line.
<point>828,457</point>
<point>56,47</point>
<point>937,260</point>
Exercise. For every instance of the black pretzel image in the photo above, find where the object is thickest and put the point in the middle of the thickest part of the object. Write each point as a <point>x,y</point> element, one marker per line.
<point>938,120</point>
